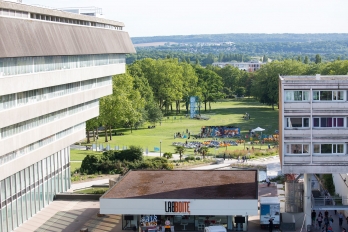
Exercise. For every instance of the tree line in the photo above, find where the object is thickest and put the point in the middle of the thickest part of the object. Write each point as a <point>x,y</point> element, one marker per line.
<point>151,88</point>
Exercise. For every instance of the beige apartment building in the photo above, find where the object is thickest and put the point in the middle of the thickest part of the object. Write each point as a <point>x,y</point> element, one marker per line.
<point>313,128</point>
<point>54,67</point>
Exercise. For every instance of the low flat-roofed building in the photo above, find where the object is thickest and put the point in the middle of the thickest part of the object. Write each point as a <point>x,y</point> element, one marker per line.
<point>189,199</point>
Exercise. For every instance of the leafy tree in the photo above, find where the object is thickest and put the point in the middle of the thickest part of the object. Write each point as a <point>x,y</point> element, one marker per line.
<point>154,113</point>
<point>180,150</point>
<point>168,155</point>
<point>211,85</point>
<point>230,76</point>
<point>317,59</point>
<point>306,60</point>
<point>240,91</point>
<point>329,184</point>
<point>89,164</point>
<point>203,151</point>
<point>265,85</point>
<point>90,126</point>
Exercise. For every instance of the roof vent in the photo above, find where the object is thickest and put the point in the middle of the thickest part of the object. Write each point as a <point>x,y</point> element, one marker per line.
<point>317,76</point>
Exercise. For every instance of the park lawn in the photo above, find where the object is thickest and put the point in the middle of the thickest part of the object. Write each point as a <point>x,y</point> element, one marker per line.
<point>75,165</point>
<point>79,155</point>
<point>223,113</point>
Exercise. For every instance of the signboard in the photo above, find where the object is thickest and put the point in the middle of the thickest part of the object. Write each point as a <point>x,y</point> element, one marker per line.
<point>177,207</point>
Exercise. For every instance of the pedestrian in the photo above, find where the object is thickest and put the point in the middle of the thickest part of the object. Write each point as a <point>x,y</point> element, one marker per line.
<point>326,214</point>
<point>269,146</point>
<point>224,156</point>
<point>326,223</point>
<point>270,226</point>
<point>340,219</point>
<point>238,162</point>
<point>320,219</point>
<point>331,220</point>
<point>268,181</point>
<point>314,215</point>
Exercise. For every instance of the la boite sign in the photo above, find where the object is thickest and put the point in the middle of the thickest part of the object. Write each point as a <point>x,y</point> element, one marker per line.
<point>177,207</point>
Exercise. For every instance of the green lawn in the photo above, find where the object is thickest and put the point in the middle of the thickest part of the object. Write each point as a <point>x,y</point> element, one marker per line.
<point>75,165</point>
<point>79,155</point>
<point>224,113</point>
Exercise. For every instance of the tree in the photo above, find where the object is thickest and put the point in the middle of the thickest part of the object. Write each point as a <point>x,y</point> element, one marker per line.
<point>168,155</point>
<point>89,164</point>
<point>266,82</point>
<point>203,151</point>
<point>240,91</point>
<point>90,126</point>
<point>211,85</point>
<point>154,113</point>
<point>180,150</point>
<point>306,60</point>
<point>317,59</point>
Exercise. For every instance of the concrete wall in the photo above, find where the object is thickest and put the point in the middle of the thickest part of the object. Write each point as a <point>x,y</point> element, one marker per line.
<point>30,136</point>
<point>29,111</point>
<point>24,82</point>
<point>20,163</point>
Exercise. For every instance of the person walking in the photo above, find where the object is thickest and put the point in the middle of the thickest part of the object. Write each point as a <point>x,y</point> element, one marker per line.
<point>314,215</point>
<point>340,219</point>
<point>270,226</point>
<point>320,219</point>
<point>331,220</point>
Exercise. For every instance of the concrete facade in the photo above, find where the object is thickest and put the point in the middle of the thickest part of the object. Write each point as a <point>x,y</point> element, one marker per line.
<point>50,85</point>
<point>313,124</point>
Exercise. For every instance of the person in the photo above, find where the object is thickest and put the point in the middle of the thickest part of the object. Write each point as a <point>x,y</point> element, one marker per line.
<point>326,223</point>
<point>224,156</point>
<point>270,226</point>
<point>314,215</point>
<point>329,229</point>
<point>320,219</point>
<point>269,146</point>
<point>331,220</point>
<point>268,181</point>
<point>340,219</point>
<point>326,214</point>
<point>238,162</point>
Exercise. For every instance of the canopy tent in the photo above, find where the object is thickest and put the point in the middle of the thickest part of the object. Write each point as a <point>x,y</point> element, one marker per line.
<point>257,129</point>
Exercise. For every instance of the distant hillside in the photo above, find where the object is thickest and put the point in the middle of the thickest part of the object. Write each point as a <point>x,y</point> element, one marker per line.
<point>242,38</point>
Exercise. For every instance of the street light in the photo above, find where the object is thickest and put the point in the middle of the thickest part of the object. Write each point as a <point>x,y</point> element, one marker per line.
<point>160,147</point>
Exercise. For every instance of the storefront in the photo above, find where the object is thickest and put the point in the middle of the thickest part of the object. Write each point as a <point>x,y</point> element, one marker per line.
<point>184,199</point>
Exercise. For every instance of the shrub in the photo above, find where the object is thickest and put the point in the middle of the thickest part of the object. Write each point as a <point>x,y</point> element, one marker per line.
<point>198,158</point>
<point>168,155</point>
<point>89,164</point>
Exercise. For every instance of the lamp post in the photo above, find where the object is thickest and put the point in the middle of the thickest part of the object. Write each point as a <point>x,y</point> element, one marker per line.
<point>160,148</point>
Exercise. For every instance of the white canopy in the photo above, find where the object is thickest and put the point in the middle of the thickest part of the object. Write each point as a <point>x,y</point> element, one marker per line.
<point>257,129</point>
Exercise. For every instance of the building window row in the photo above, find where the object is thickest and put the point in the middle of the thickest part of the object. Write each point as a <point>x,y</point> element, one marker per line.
<point>318,122</point>
<point>317,95</point>
<point>24,65</point>
<point>318,148</point>
<point>33,96</point>
<point>45,119</point>
<point>28,191</point>
<point>14,13</point>
<point>22,14</point>
<point>43,142</point>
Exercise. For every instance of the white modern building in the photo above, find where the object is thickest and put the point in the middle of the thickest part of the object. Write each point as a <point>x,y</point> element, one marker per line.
<point>313,127</point>
<point>251,66</point>
<point>54,66</point>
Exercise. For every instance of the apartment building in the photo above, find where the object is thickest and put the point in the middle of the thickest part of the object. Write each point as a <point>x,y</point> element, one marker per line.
<point>54,67</point>
<point>313,128</point>
<point>251,66</point>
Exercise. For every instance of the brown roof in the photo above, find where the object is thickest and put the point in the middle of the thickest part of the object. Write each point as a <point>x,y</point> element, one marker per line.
<point>187,184</point>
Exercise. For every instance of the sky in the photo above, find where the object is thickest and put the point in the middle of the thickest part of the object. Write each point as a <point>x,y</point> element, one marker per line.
<point>191,17</point>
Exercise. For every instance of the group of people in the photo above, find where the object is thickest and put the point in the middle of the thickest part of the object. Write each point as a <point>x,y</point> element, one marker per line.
<point>325,222</point>
<point>244,159</point>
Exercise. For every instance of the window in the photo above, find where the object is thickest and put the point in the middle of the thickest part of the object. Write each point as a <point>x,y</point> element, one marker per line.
<point>325,95</point>
<point>292,95</point>
<point>297,148</point>
<point>329,148</point>
<point>328,122</point>
<point>297,122</point>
